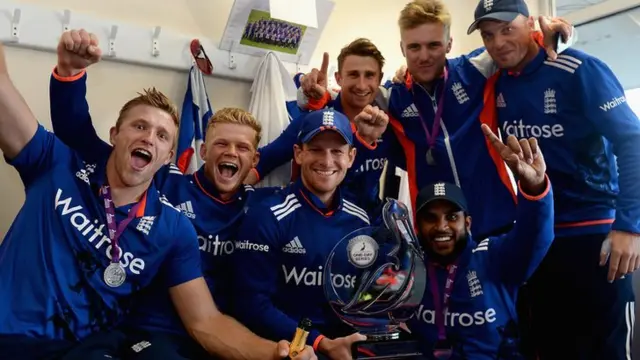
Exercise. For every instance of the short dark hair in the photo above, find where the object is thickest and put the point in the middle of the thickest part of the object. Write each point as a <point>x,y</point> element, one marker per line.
<point>361,47</point>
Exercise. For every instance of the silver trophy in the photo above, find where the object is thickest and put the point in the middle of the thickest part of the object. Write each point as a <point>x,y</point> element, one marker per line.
<point>390,273</point>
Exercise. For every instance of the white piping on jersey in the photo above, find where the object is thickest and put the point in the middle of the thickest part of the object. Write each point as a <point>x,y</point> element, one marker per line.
<point>630,320</point>
<point>173,169</point>
<point>248,188</point>
<point>285,208</point>
<point>163,200</point>
<point>565,62</point>
<point>291,203</point>
<point>353,209</point>
<point>445,133</point>
<point>482,246</point>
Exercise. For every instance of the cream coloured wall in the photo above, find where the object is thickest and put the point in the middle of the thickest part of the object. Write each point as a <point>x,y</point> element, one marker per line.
<point>111,84</point>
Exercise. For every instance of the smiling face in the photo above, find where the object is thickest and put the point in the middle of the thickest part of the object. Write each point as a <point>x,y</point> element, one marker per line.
<point>508,43</point>
<point>441,226</point>
<point>143,142</point>
<point>324,162</point>
<point>229,154</point>
<point>359,79</point>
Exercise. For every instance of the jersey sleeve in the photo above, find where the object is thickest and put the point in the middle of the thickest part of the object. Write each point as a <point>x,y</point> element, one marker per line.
<point>256,265</point>
<point>71,119</point>
<point>183,261</point>
<point>605,106</point>
<point>280,150</point>
<point>519,253</point>
<point>41,155</point>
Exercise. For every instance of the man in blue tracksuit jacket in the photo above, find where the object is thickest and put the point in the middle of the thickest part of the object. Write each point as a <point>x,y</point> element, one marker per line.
<point>213,198</point>
<point>289,236</point>
<point>577,109</point>
<point>436,144</point>
<point>359,73</point>
<point>468,309</point>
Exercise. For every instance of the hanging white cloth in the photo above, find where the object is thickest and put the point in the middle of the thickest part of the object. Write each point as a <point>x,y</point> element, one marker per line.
<point>272,87</point>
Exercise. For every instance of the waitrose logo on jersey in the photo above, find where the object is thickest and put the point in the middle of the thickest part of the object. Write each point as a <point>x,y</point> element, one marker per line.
<point>613,103</point>
<point>521,130</point>
<point>309,277</point>
<point>93,233</point>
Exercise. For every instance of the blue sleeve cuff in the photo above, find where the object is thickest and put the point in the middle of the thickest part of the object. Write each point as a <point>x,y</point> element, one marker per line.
<point>626,224</point>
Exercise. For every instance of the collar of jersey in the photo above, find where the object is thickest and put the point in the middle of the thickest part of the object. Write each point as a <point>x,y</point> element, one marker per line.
<point>313,201</point>
<point>408,79</point>
<point>465,255</point>
<point>531,66</point>
<point>152,205</point>
<point>336,104</point>
<point>209,188</point>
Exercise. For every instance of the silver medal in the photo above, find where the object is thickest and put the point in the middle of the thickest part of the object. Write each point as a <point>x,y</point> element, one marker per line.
<point>114,275</point>
<point>430,159</point>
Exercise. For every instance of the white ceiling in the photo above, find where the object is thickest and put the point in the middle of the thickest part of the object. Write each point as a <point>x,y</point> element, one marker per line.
<point>614,39</point>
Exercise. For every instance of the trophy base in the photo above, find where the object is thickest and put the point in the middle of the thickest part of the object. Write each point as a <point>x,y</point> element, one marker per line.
<point>386,346</point>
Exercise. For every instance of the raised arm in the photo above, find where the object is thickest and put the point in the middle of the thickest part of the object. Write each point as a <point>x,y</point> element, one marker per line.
<point>17,123</point>
<point>218,334</point>
<point>518,254</point>
<point>70,116</point>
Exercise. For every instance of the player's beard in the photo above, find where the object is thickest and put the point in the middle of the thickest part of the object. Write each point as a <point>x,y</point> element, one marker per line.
<point>459,246</point>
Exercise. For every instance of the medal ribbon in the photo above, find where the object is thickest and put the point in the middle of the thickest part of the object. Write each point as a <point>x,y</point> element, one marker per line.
<point>441,304</point>
<point>435,129</point>
<point>116,230</point>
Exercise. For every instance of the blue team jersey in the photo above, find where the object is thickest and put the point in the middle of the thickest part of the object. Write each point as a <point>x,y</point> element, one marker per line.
<point>278,270</point>
<point>461,154</point>
<point>216,221</point>
<point>481,319</point>
<point>577,110</point>
<point>57,248</point>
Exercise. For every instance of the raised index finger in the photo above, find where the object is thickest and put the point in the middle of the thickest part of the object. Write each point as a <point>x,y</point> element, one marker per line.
<point>325,64</point>
<point>493,139</point>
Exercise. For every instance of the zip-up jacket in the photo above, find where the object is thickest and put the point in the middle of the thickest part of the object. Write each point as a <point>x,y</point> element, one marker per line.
<point>577,110</point>
<point>480,321</point>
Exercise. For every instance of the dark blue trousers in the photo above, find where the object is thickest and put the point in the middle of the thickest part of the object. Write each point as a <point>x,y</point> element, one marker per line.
<point>568,309</point>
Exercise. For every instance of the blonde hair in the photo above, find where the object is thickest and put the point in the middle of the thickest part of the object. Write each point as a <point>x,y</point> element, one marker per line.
<point>420,12</point>
<point>154,98</point>
<point>361,47</point>
<point>236,116</point>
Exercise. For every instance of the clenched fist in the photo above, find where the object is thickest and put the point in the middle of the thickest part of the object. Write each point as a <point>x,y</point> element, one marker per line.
<point>371,123</point>
<point>77,50</point>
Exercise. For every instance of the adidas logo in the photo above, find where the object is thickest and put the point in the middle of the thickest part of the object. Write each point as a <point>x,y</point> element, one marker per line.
<point>294,247</point>
<point>410,111</point>
<point>187,209</point>
<point>500,101</point>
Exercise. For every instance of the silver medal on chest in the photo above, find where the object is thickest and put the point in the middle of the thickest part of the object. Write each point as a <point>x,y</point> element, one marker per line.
<point>114,275</point>
<point>430,159</point>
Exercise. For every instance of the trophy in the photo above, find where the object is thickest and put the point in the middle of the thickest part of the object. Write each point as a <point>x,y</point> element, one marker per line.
<point>390,273</point>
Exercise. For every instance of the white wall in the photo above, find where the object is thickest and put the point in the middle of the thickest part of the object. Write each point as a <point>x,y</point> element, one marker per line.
<point>111,84</point>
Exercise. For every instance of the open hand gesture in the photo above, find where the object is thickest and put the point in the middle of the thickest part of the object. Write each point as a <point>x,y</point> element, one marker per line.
<point>314,84</point>
<point>523,157</point>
